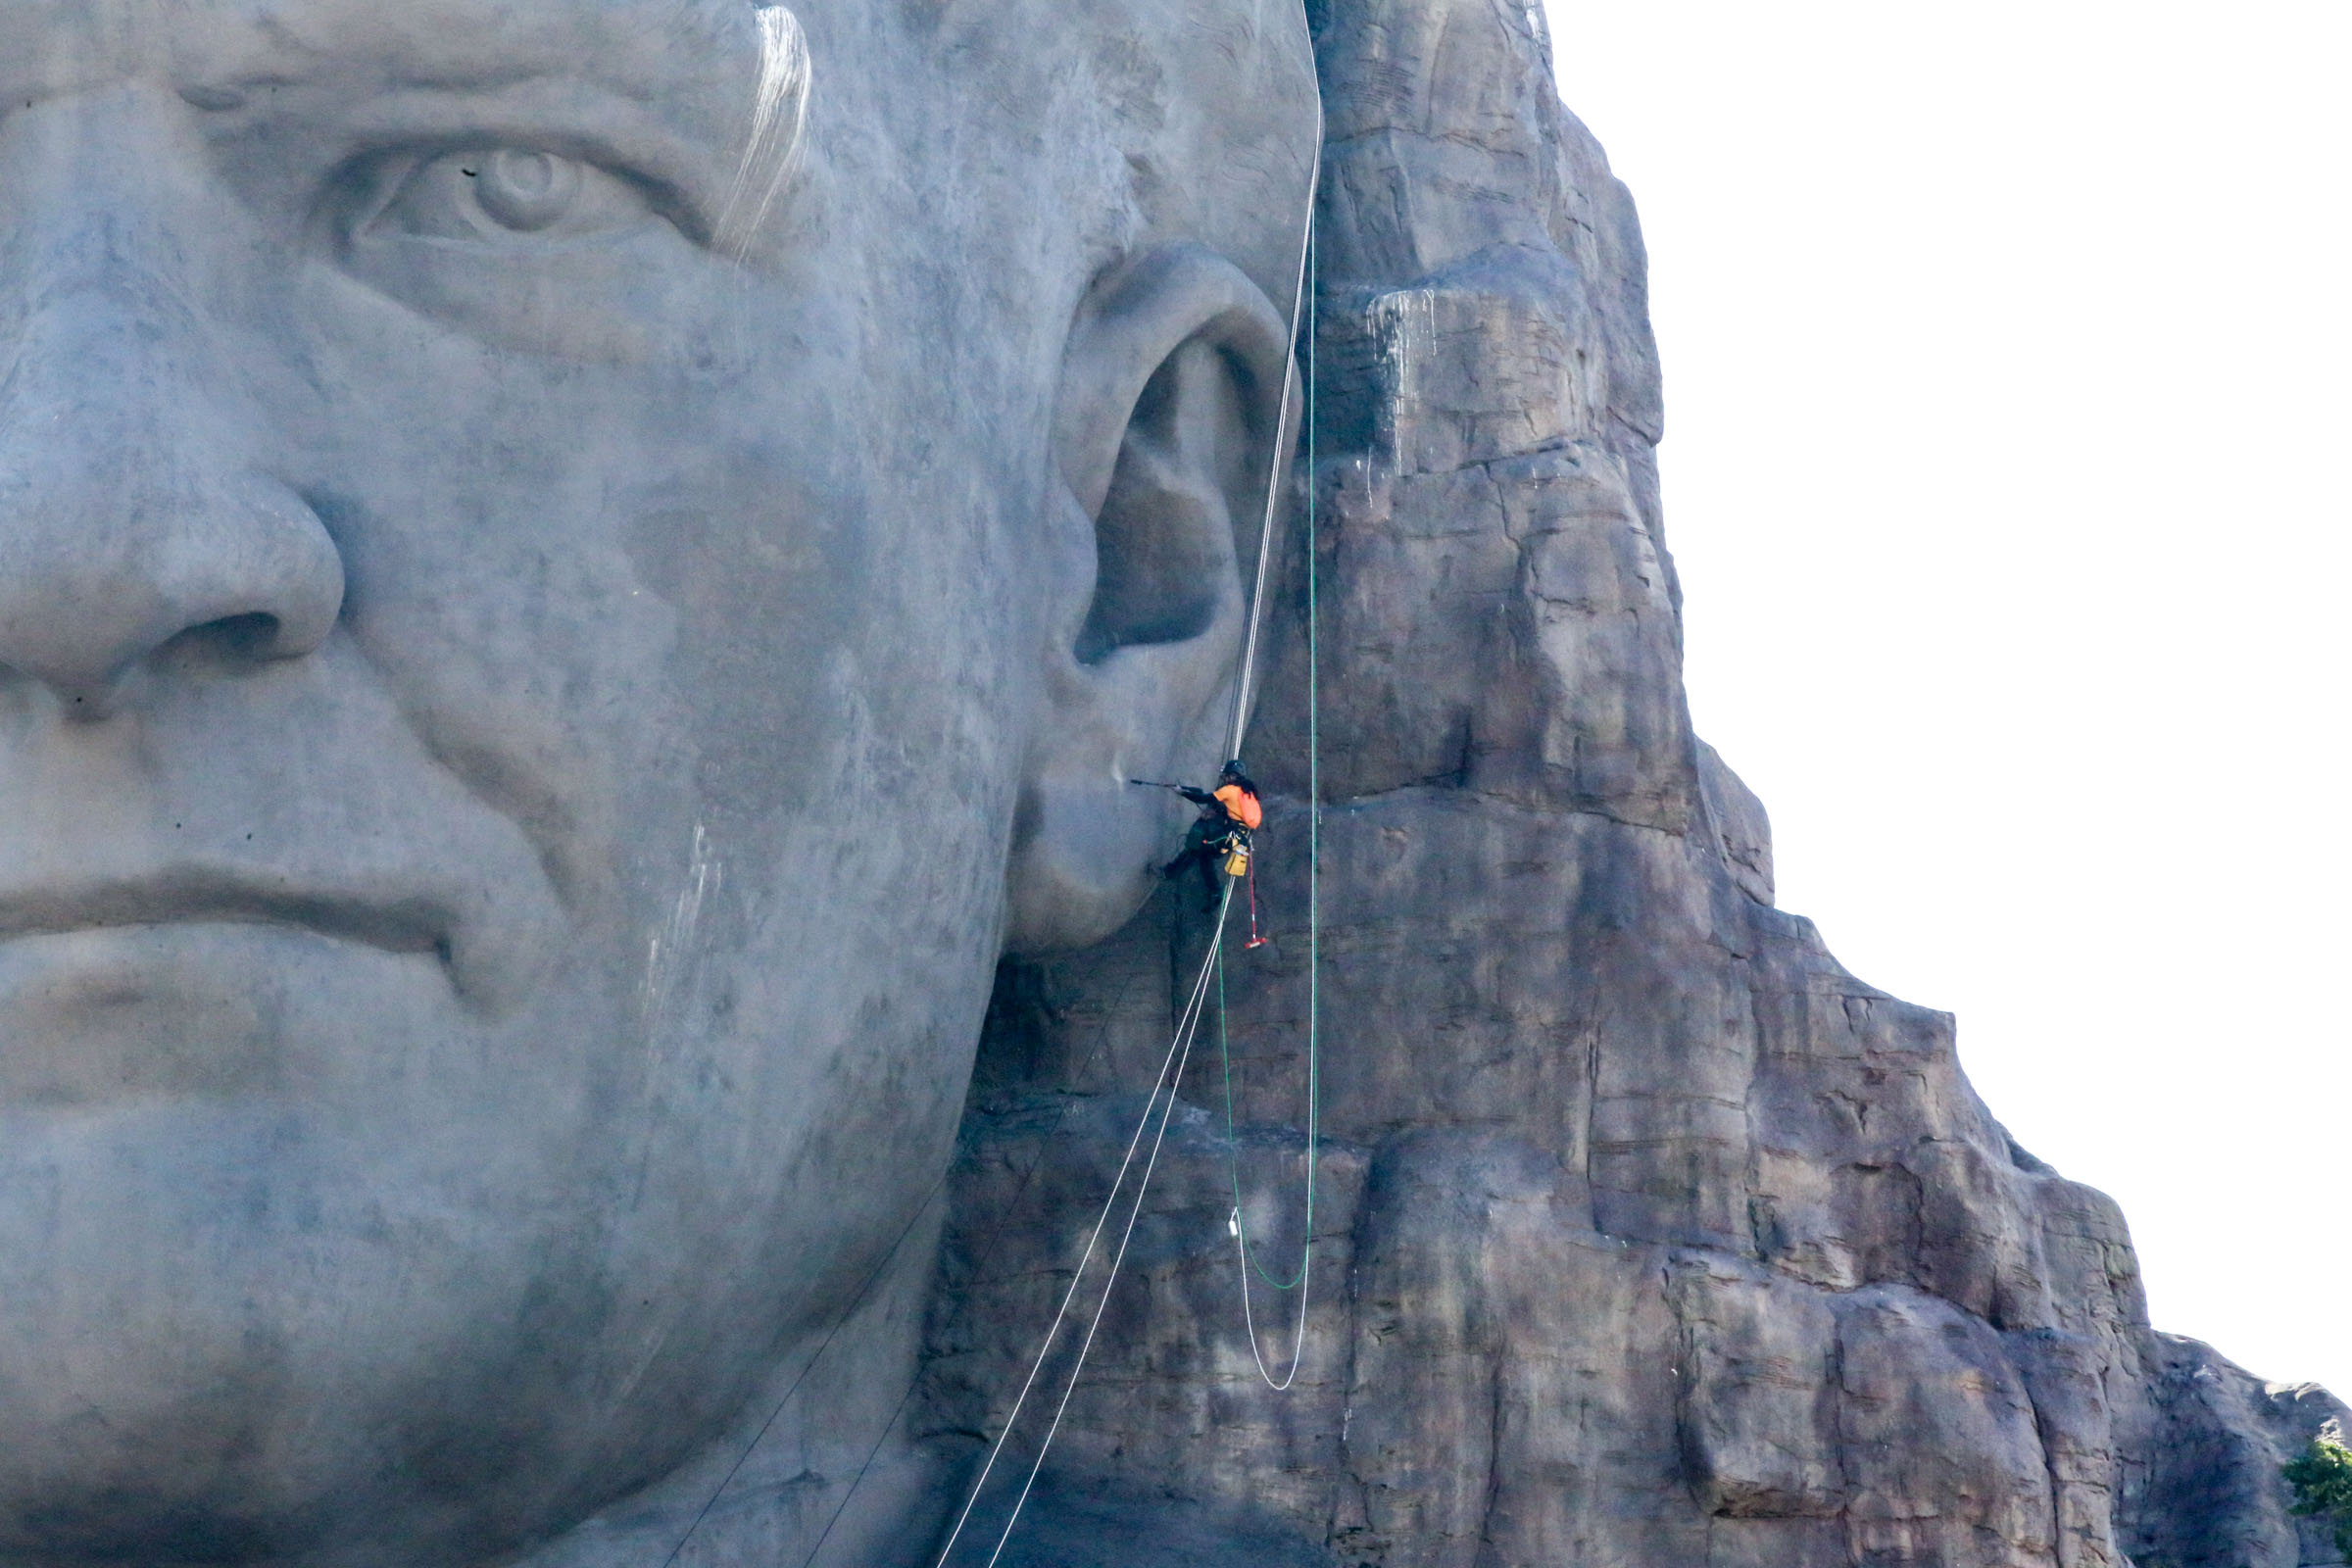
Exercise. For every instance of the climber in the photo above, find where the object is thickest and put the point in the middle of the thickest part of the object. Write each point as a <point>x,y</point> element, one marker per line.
<point>1229,815</point>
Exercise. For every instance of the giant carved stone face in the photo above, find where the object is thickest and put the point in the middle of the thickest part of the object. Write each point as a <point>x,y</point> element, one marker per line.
<point>572,573</point>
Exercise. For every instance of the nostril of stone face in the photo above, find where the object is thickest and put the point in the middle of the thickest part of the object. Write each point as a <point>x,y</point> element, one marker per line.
<point>253,634</point>
<point>231,641</point>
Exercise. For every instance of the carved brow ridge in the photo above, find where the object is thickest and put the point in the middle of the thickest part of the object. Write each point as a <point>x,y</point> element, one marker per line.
<point>644,50</point>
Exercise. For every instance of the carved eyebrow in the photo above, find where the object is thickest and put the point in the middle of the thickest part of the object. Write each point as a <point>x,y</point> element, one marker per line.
<point>693,62</point>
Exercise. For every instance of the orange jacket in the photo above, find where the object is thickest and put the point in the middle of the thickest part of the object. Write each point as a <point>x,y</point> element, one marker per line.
<point>1240,806</point>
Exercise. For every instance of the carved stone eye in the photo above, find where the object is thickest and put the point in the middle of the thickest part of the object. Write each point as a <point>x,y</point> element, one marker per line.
<point>523,191</point>
<point>492,195</point>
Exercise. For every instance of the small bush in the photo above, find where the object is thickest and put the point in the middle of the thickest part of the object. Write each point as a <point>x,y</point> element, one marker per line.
<point>2322,1477</point>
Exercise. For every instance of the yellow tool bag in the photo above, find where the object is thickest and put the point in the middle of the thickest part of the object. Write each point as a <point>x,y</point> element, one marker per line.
<point>1237,859</point>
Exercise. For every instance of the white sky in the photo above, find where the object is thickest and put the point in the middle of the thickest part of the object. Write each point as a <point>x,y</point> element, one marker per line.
<point>2006,351</point>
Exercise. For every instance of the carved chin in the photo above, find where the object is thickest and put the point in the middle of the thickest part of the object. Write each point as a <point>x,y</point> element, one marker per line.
<point>256,1224</point>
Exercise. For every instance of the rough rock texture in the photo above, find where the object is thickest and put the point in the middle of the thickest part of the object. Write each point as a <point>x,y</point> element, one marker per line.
<point>1646,1234</point>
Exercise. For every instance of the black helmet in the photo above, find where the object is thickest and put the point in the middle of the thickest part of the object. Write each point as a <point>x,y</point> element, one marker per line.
<point>1232,772</point>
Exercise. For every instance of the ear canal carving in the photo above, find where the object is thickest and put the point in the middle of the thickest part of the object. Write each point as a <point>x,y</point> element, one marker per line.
<point>1164,539</point>
<point>779,125</point>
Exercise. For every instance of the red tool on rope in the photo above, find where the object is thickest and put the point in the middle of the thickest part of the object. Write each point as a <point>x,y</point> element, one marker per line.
<point>1256,938</point>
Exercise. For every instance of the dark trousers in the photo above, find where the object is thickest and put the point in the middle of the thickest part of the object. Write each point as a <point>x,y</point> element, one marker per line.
<point>1205,848</point>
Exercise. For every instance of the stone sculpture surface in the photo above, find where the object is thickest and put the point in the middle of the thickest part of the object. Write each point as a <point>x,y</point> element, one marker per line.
<point>544,554</point>
<point>579,585</point>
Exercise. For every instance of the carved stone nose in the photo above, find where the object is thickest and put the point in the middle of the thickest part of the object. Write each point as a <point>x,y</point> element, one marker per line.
<point>80,606</point>
<point>131,512</point>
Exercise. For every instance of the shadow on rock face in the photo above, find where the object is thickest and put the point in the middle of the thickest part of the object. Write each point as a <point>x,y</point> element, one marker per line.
<point>1065,1528</point>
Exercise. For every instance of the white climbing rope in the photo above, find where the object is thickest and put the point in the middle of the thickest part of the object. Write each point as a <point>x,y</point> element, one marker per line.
<point>1282,450</point>
<point>1300,310</point>
<point>1189,1023</point>
<point>1241,1250</point>
<point>1171,1073</point>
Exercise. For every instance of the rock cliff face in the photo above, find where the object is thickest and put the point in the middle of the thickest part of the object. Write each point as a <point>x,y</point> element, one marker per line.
<point>1646,1234</point>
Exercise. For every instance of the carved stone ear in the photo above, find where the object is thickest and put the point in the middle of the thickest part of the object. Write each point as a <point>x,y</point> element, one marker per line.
<point>1169,415</point>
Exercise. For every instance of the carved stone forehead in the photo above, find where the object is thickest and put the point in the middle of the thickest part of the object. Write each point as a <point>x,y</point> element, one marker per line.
<point>648,49</point>
<point>1194,119</point>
